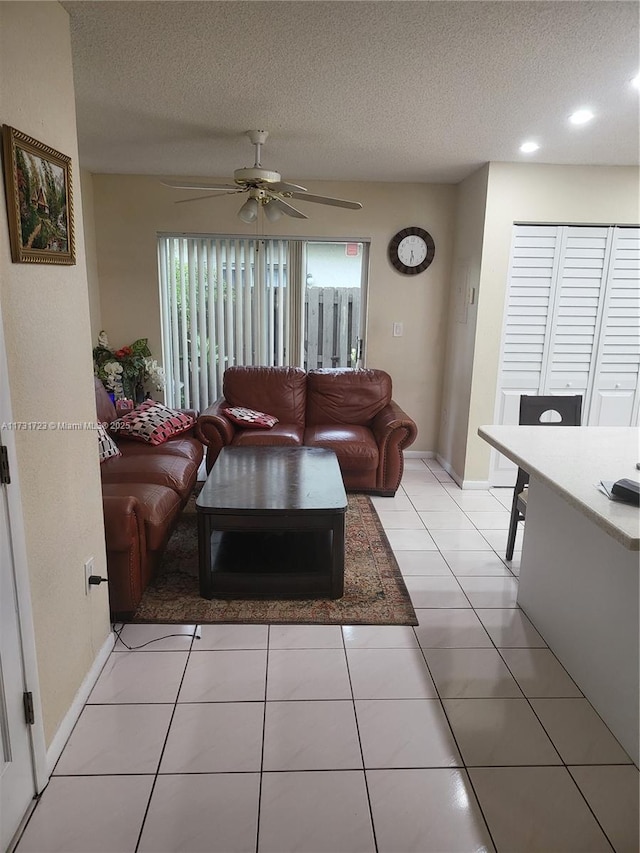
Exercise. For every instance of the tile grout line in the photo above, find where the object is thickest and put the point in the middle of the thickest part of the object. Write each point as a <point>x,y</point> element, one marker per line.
<point>264,728</point>
<point>166,737</point>
<point>355,716</point>
<point>464,767</point>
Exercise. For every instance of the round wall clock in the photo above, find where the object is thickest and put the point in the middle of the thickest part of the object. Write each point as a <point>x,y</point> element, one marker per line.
<point>411,250</point>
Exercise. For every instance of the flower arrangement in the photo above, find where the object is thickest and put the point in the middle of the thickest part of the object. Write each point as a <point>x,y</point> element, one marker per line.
<point>125,371</point>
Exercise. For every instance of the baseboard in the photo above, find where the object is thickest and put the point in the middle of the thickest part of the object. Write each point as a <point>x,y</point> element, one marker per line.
<point>448,468</point>
<point>71,717</point>
<point>475,484</point>
<point>464,484</point>
<point>418,454</point>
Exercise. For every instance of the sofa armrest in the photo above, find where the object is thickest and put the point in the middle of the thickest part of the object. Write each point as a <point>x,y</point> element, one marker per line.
<point>393,430</point>
<point>392,418</point>
<point>126,552</point>
<point>214,430</point>
<point>123,522</point>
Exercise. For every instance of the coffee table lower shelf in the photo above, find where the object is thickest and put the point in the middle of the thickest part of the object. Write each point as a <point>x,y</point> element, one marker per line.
<point>267,564</point>
<point>271,563</point>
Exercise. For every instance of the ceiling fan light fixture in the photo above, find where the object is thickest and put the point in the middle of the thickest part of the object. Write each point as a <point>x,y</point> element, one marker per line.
<point>272,212</point>
<point>249,211</point>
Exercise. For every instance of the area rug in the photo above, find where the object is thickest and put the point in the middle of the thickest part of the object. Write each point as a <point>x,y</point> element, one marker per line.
<point>375,593</point>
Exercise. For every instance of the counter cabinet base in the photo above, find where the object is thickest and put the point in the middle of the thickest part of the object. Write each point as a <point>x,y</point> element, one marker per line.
<point>579,587</point>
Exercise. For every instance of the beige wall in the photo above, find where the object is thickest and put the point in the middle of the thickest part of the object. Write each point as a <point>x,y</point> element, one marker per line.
<point>93,284</point>
<point>46,329</point>
<point>465,280</point>
<point>131,210</point>
<point>535,194</point>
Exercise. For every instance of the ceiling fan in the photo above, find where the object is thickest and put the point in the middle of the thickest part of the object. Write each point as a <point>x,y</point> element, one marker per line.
<point>265,189</point>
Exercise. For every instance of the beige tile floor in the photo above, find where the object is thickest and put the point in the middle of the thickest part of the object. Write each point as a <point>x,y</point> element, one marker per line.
<point>461,734</point>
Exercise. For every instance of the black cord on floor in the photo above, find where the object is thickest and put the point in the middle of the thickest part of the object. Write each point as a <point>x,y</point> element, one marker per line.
<point>118,632</point>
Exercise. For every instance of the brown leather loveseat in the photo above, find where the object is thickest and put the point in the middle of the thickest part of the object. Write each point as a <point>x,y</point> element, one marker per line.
<point>348,411</point>
<point>143,493</point>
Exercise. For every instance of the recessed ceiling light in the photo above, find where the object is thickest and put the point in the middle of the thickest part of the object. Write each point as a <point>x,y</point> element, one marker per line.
<point>636,81</point>
<point>581,116</point>
<point>529,147</point>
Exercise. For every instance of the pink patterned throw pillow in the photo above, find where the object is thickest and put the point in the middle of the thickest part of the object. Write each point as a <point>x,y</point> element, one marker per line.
<point>249,418</point>
<point>151,422</point>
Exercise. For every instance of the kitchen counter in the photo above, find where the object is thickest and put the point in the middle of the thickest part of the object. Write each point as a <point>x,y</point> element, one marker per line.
<point>580,568</point>
<point>571,461</point>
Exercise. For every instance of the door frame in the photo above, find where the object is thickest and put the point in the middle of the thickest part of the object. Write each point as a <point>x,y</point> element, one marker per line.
<point>21,578</point>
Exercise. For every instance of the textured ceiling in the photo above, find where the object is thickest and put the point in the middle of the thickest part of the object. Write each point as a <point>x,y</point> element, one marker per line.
<point>392,91</point>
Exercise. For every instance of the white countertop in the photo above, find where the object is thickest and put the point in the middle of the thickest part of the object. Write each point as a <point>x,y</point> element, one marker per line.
<point>571,461</point>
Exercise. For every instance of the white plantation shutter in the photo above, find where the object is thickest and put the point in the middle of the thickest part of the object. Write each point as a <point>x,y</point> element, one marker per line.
<point>531,290</point>
<point>572,324</point>
<point>615,390</point>
<point>534,263</point>
<point>577,309</point>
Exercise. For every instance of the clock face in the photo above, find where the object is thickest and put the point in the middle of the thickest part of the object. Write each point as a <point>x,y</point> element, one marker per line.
<point>411,250</point>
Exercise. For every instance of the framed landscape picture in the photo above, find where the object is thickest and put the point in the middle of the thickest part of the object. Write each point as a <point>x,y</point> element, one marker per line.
<point>39,200</point>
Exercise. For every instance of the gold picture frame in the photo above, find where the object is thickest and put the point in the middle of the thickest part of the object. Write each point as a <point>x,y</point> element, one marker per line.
<point>39,200</point>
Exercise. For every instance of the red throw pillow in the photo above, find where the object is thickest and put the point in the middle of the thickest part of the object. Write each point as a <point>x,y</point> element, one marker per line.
<point>153,423</point>
<point>249,418</point>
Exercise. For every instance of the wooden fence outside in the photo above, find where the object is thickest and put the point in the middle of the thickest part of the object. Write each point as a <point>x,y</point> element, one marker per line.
<point>331,316</point>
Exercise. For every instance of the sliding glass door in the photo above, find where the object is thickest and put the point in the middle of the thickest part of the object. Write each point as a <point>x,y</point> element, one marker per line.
<point>235,300</point>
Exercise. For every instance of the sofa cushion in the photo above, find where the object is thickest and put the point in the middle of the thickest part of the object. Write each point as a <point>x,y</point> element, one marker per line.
<point>179,445</point>
<point>151,422</point>
<point>173,471</point>
<point>354,446</point>
<point>249,418</point>
<point>107,448</point>
<point>158,505</point>
<point>282,435</point>
<point>281,391</point>
<point>345,396</point>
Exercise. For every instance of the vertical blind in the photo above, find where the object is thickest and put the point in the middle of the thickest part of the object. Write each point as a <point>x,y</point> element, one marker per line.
<point>224,301</point>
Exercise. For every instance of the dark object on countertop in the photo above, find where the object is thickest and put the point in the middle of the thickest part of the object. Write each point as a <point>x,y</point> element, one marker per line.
<point>627,490</point>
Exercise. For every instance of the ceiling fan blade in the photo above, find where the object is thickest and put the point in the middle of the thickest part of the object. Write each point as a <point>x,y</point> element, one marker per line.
<point>201,197</point>
<point>187,185</point>
<point>323,199</point>
<point>285,207</point>
<point>284,187</point>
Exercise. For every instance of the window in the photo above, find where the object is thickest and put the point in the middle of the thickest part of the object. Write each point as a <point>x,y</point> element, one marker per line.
<point>237,300</point>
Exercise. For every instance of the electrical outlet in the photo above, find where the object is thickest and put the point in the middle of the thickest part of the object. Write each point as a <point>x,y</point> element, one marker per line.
<point>89,569</point>
<point>397,330</point>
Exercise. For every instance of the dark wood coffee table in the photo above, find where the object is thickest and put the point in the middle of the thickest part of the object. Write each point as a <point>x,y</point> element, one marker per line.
<point>271,524</point>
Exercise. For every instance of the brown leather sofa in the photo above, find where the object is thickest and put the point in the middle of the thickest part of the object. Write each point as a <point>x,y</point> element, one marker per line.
<point>143,493</point>
<point>348,411</point>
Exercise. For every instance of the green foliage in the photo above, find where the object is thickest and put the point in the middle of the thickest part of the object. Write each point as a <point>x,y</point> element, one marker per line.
<point>132,361</point>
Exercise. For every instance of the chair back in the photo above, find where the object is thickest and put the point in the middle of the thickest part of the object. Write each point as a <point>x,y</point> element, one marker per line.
<point>533,408</point>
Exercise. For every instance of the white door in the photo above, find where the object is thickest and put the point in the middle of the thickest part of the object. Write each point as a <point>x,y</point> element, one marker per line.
<point>572,325</point>
<point>535,259</point>
<point>616,391</point>
<point>17,781</point>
